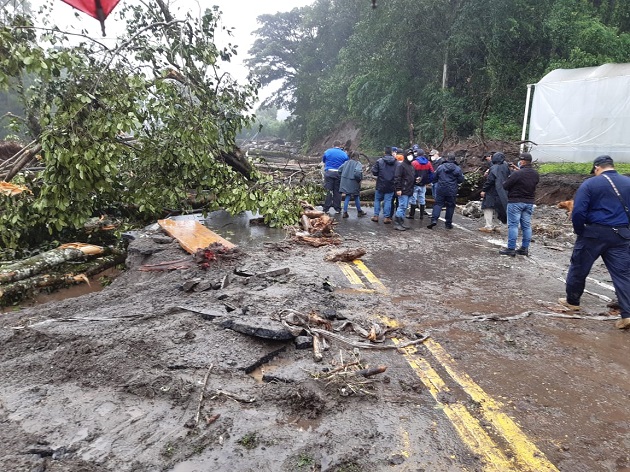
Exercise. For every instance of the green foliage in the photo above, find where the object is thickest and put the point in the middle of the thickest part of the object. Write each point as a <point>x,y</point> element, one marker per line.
<point>249,441</point>
<point>138,128</point>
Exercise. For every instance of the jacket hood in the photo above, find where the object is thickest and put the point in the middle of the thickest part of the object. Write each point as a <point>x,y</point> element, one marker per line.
<point>422,160</point>
<point>389,160</point>
<point>449,167</point>
<point>498,158</point>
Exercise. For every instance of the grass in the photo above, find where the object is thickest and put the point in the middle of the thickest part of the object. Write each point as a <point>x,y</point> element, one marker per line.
<point>304,460</point>
<point>249,441</point>
<point>583,168</point>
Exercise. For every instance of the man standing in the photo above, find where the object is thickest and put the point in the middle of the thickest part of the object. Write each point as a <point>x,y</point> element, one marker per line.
<point>424,176</point>
<point>494,197</point>
<point>332,159</point>
<point>448,176</point>
<point>384,170</point>
<point>601,220</point>
<point>404,178</point>
<point>521,189</point>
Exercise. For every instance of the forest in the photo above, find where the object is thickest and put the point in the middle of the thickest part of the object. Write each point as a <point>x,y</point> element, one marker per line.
<point>427,70</point>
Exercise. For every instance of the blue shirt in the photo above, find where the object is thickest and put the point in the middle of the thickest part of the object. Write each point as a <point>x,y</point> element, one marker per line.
<point>596,202</point>
<point>333,158</point>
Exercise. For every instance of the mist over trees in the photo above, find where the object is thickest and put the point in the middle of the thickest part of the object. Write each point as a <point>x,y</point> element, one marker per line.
<point>428,70</point>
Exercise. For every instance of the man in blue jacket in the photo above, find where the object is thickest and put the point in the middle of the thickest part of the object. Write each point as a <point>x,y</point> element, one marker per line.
<point>448,177</point>
<point>601,220</point>
<point>332,159</point>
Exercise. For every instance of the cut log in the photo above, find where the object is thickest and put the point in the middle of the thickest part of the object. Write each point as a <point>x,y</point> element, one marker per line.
<point>313,213</point>
<point>192,235</point>
<point>47,260</point>
<point>306,223</point>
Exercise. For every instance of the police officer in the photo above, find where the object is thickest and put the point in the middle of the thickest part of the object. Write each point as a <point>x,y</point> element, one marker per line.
<point>601,220</point>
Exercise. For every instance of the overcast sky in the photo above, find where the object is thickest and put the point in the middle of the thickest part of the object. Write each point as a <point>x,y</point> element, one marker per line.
<point>239,14</point>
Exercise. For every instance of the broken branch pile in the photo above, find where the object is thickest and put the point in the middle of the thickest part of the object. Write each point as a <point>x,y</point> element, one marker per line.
<point>317,228</point>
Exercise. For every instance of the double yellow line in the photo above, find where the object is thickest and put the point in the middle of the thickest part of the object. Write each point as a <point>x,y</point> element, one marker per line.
<point>487,442</point>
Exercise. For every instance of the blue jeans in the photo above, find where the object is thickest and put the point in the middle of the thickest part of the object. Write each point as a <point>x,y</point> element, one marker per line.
<point>519,213</point>
<point>403,203</point>
<point>418,197</point>
<point>357,202</point>
<point>386,198</point>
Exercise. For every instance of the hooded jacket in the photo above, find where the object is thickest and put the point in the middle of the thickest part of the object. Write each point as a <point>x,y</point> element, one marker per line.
<point>496,196</point>
<point>448,176</point>
<point>351,173</point>
<point>384,170</point>
<point>424,170</point>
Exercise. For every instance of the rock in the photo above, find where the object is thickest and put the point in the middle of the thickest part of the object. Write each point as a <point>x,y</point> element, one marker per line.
<point>259,327</point>
<point>304,342</point>
<point>473,210</point>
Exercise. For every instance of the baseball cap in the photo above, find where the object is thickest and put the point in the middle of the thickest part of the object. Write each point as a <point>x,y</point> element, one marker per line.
<point>602,161</point>
<point>525,156</point>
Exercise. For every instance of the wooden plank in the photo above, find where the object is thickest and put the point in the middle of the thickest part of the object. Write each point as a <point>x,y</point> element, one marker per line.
<point>192,235</point>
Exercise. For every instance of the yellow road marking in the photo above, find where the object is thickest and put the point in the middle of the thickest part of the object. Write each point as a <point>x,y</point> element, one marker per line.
<point>349,273</point>
<point>378,285</point>
<point>526,453</point>
<point>470,431</point>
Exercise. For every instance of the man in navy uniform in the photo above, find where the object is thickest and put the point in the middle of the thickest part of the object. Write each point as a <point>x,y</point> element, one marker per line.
<point>601,220</point>
<point>332,159</point>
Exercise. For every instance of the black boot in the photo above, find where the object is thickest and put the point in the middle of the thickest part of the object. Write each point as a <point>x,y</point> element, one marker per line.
<point>412,212</point>
<point>399,226</point>
<point>432,224</point>
<point>523,251</point>
<point>422,212</point>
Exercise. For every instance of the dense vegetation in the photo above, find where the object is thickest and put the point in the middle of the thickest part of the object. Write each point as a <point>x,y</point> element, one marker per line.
<point>133,129</point>
<point>428,70</point>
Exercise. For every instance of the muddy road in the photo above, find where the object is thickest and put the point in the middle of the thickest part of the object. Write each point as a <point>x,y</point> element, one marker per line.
<point>147,375</point>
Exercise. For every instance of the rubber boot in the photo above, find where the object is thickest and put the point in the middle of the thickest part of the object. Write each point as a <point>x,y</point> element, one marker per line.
<point>412,212</point>
<point>399,226</point>
<point>422,212</point>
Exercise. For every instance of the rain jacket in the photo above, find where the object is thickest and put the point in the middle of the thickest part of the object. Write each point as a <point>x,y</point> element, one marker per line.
<point>351,173</point>
<point>448,177</point>
<point>496,196</point>
<point>384,170</point>
<point>424,170</point>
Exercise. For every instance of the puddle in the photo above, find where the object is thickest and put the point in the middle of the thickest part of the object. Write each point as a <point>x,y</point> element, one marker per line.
<point>95,285</point>
<point>244,229</point>
<point>259,372</point>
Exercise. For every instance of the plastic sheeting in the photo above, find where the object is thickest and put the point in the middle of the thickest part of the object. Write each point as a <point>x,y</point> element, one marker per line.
<point>579,114</point>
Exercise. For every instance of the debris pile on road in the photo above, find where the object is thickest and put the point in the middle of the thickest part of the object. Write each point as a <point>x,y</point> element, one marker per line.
<point>317,228</point>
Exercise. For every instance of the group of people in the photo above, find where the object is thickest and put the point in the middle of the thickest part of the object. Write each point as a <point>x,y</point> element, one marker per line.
<point>600,217</point>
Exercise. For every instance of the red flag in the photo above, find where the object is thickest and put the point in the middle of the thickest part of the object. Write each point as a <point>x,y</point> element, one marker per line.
<point>98,9</point>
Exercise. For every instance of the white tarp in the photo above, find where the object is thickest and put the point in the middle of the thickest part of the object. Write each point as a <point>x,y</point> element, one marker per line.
<point>579,114</point>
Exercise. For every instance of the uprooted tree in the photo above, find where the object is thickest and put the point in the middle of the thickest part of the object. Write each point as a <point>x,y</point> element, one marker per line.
<point>146,125</point>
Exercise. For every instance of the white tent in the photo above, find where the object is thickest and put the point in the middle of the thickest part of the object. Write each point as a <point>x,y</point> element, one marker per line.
<point>579,114</point>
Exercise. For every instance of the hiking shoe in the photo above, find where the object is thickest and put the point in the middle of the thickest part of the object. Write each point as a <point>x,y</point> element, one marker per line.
<point>506,251</point>
<point>345,214</point>
<point>623,323</point>
<point>448,226</point>
<point>387,221</point>
<point>374,219</point>
<point>522,251</point>
<point>431,225</point>
<point>566,304</point>
<point>496,229</point>
<point>486,230</point>
<point>362,213</point>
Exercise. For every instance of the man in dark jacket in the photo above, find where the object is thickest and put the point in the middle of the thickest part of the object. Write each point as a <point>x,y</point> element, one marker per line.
<point>424,176</point>
<point>521,192</point>
<point>494,196</point>
<point>448,176</point>
<point>601,220</point>
<point>332,159</point>
<point>384,170</point>
<point>404,179</point>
